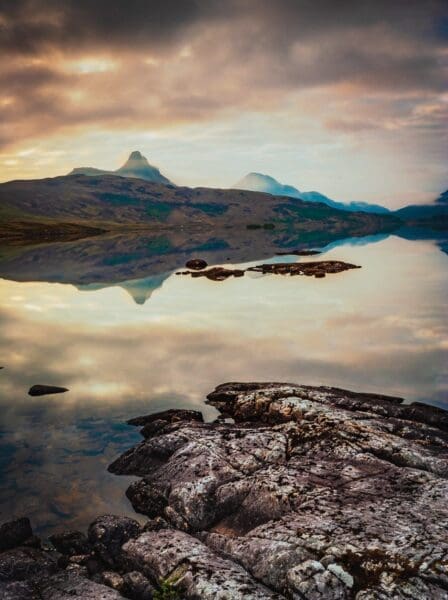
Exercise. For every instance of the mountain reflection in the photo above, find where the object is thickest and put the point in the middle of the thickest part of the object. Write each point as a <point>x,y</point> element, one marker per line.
<point>381,328</point>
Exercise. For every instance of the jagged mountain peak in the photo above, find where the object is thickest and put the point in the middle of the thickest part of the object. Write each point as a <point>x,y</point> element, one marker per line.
<point>136,158</point>
<point>136,165</point>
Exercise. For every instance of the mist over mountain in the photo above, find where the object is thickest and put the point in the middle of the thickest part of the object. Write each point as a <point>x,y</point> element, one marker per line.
<point>434,215</point>
<point>136,166</point>
<point>265,183</point>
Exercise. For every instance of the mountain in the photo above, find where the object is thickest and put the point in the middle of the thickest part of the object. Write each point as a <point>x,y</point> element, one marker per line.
<point>113,203</point>
<point>136,166</point>
<point>265,183</point>
<point>140,290</point>
<point>433,215</point>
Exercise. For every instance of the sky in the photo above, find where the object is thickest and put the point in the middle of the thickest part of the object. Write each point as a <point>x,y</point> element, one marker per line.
<point>349,98</point>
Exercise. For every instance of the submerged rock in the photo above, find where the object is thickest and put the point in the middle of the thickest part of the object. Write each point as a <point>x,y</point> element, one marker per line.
<point>196,264</point>
<point>313,492</point>
<point>42,390</point>
<point>15,533</point>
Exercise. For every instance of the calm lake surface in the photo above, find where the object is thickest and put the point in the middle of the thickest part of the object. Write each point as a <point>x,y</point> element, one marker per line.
<point>128,336</point>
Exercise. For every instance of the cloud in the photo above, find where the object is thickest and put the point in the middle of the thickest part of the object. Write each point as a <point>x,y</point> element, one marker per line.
<point>140,65</point>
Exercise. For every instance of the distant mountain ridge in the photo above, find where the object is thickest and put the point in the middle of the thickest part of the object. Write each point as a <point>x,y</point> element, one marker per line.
<point>434,215</point>
<point>265,183</point>
<point>108,202</point>
<point>137,166</point>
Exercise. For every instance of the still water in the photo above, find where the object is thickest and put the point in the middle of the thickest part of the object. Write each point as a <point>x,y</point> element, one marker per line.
<point>128,336</point>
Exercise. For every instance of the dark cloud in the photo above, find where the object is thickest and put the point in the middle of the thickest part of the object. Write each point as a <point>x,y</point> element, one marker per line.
<point>29,25</point>
<point>190,60</point>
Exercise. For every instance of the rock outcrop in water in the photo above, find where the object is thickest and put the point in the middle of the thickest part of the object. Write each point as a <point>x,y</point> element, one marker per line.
<point>294,492</point>
<point>316,269</point>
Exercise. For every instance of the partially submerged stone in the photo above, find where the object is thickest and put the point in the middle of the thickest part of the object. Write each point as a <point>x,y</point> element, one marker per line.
<point>218,273</point>
<point>317,269</point>
<point>196,264</point>
<point>14,533</point>
<point>43,390</point>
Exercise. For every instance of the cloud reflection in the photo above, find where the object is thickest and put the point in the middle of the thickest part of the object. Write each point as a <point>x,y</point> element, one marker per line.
<point>381,328</point>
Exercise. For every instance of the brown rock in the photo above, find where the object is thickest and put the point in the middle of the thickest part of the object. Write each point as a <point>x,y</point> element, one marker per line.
<point>197,264</point>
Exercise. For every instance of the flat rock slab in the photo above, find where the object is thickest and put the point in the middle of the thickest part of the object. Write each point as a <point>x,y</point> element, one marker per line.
<point>313,492</point>
<point>43,390</point>
<point>316,268</point>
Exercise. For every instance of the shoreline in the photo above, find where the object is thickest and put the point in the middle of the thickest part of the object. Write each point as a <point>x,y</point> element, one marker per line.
<point>293,491</point>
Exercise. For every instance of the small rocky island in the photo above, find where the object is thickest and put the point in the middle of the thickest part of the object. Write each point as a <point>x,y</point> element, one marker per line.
<point>318,269</point>
<point>294,492</point>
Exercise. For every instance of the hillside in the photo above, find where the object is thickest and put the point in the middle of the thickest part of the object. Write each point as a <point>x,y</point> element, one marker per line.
<point>110,202</point>
<point>265,183</point>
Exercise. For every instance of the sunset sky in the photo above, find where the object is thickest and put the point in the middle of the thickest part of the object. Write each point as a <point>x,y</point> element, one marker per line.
<point>348,98</point>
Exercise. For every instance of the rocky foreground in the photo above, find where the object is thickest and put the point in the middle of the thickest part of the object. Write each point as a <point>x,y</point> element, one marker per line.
<point>294,492</point>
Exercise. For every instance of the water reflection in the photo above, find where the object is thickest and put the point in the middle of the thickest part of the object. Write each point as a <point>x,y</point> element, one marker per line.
<point>381,328</point>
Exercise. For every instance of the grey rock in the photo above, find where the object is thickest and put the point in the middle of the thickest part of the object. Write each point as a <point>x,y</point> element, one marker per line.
<point>67,586</point>
<point>157,422</point>
<point>113,580</point>
<point>137,586</point>
<point>108,533</point>
<point>314,492</point>
<point>195,570</point>
<point>70,543</point>
<point>18,590</point>
<point>20,564</point>
<point>14,533</point>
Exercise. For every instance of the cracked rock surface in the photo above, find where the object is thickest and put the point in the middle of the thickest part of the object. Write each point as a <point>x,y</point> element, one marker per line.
<point>308,493</point>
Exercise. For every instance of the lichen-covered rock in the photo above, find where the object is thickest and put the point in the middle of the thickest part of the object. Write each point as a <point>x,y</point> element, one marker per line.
<point>108,533</point>
<point>20,564</point>
<point>137,586</point>
<point>113,580</point>
<point>311,493</point>
<point>68,586</point>
<point>193,568</point>
<point>14,533</point>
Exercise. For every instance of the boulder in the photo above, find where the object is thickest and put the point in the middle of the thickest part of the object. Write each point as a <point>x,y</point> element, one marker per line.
<point>15,533</point>
<point>70,543</point>
<point>108,533</point>
<point>196,264</point>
